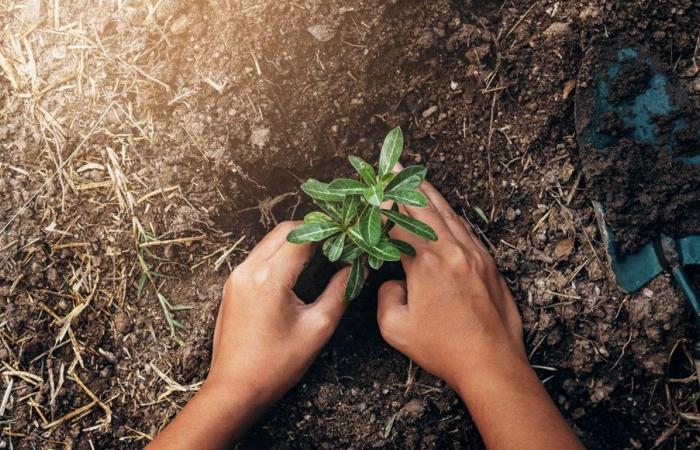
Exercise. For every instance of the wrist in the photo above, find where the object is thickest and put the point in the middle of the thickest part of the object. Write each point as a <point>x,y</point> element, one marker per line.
<point>235,397</point>
<point>492,376</point>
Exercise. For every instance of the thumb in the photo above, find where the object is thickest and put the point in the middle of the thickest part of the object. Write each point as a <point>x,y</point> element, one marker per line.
<point>392,303</point>
<point>331,303</point>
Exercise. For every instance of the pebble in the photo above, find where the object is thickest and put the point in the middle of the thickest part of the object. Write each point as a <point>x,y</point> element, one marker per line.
<point>563,248</point>
<point>259,137</point>
<point>322,33</point>
<point>413,409</point>
<point>168,8</point>
<point>557,29</point>
<point>180,25</point>
<point>122,323</point>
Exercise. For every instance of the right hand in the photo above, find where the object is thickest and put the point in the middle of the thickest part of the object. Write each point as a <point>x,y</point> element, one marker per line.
<point>454,315</point>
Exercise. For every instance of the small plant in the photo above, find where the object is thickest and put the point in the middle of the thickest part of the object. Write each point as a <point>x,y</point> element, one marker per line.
<point>149,277</point>
<point>350,220</point>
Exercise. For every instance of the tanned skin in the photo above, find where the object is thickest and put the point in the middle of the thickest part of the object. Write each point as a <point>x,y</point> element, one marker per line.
<point>454,316</point>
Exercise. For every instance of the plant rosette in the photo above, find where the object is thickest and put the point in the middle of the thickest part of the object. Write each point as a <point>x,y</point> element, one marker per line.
<point>350,218</point>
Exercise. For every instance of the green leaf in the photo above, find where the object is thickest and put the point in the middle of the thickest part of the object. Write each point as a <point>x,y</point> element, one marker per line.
<point>330,209</point>
<point>312,232</point>
<point>391,151</point>
<point>346,186</point>
<point>481,214</point>
<point>375,263</point>
<point>365,171</point>
<point>371,225</point>
<point>388,225</point>
<point>333,248</point>
<point>404,247</point>
<point>410,224</point>
<point>374,195</point>
<point>355,280</point>
<point>317,217</point>
<point>410,198</point>
<point>349,211</point>
<point>385,252</point>
<point>408,179</point>
<point>385,247</point>
<point>316,189</point>
<point>351,252</point>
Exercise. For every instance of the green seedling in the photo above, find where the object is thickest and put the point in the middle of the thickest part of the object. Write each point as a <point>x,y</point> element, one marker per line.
<point>149,278</point>
<point>350,218</point>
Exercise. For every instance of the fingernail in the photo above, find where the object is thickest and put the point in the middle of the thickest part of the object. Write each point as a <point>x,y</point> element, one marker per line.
<point>398,167</point>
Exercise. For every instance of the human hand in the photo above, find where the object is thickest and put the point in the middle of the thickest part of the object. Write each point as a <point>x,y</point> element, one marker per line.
<point>266,337</point>
<point>454,315</point>
<point>264,340</point>
<point>456,318</point>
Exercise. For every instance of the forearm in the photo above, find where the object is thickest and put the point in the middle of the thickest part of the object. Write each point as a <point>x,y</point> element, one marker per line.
<point>512,410</point>
<point>214,418</point>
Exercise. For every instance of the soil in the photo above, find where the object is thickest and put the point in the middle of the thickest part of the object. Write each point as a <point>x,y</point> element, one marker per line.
<point>644,189</point>
<point>197,120</point>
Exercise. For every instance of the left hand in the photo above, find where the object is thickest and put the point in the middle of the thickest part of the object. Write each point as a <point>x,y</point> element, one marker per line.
<point>265,336</point>
<point>264,340</point>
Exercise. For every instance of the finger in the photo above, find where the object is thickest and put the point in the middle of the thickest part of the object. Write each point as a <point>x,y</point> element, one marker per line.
<point>430,216</point>
<point>470,231</point>
<point>273,240</point>
<point>392,308</point>
<point>441,205</point>
<point>410,238</point>
<point>330,305</point>
<point>290,260</point>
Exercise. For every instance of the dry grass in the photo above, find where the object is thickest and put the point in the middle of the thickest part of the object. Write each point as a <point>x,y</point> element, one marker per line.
<point>90,231</point>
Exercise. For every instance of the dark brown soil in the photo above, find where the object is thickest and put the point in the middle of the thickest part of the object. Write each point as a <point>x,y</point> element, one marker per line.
<point>645,190</point>
<point>214,111</point>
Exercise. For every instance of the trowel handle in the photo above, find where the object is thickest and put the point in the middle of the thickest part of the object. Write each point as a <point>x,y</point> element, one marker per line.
<point>687,288</point>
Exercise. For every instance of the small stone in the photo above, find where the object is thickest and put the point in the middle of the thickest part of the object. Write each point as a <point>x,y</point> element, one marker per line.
<point>564,248</point>
<point>412,410</point>
<point>122,323</point>
<point>168,8</point>
<point>557,29</point>
<point>180,25</point>
<point>322,33</point>
<point>259,137</point>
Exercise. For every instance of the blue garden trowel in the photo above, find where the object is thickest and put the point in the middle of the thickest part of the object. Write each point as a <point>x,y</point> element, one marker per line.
<point>639,113</point>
